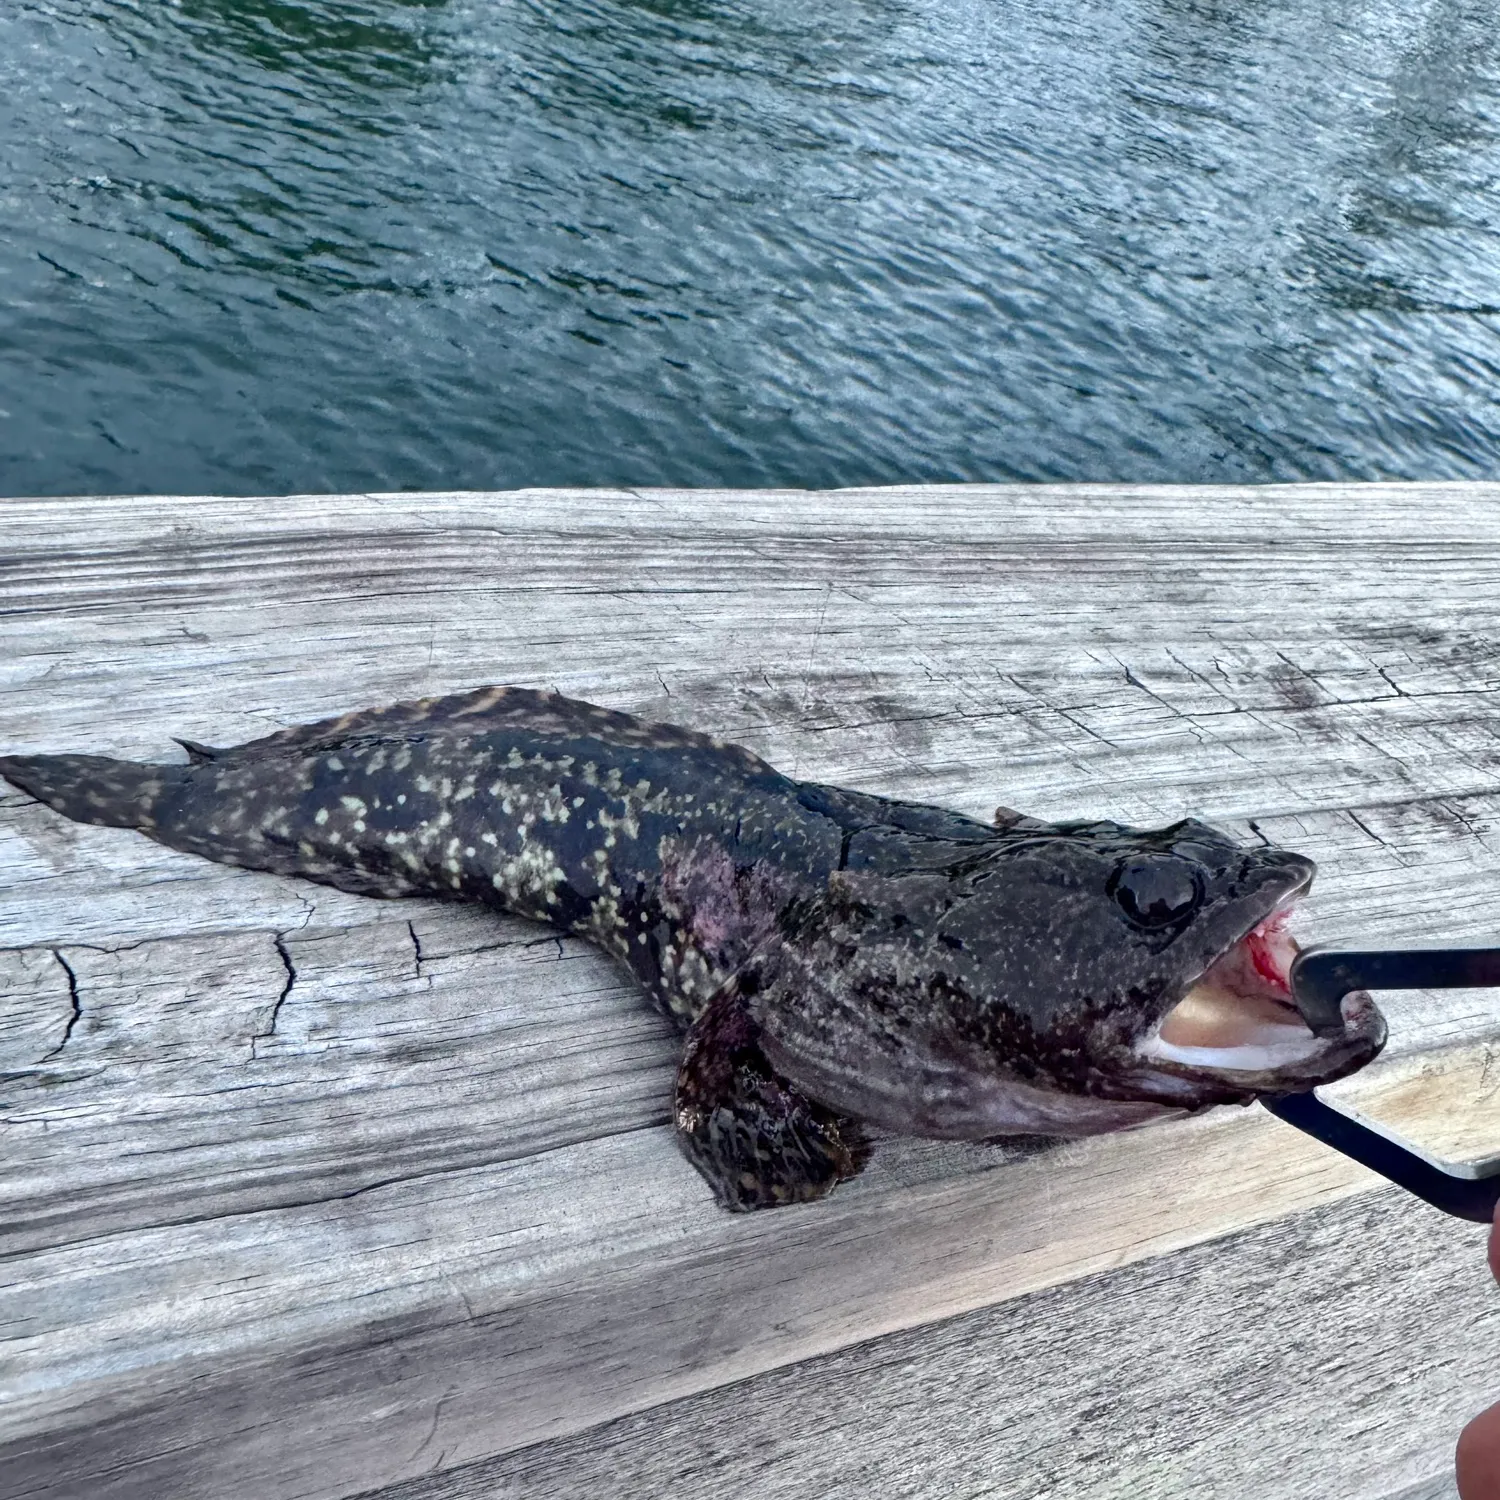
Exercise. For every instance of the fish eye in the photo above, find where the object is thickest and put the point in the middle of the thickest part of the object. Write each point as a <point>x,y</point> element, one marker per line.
<point>1155,890</point>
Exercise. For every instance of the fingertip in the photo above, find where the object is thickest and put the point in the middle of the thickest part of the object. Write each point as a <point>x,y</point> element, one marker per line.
<point>1477,1460</point>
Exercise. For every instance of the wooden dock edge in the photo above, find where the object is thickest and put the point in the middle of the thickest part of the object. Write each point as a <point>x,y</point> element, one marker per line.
<point>235,1299</point>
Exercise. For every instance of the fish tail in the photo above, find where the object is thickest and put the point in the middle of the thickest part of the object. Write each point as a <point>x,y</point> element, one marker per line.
<point>93,788</point>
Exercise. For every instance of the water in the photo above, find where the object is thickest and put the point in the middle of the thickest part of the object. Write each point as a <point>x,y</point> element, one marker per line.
<point>273,245</point>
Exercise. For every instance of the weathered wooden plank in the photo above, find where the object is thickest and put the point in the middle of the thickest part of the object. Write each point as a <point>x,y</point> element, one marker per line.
<point>440,1175</point>
<point>583,1283</point>
<point>345,1058</point>
<point>1331,1355</point>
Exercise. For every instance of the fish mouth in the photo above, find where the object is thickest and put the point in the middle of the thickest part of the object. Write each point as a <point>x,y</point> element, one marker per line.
<point>1237,1024</point>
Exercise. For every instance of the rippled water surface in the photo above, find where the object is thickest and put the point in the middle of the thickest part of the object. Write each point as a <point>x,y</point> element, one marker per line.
<point>268,245</point>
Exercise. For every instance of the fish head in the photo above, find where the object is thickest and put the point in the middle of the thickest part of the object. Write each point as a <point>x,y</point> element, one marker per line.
<point>1063,979</point>
<point>1176,985</point>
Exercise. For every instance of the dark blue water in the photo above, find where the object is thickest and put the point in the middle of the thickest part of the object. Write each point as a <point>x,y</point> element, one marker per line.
<point>270,245</point>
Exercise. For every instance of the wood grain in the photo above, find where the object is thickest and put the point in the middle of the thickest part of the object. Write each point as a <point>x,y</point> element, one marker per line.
<point>301,1190</point>
<point>1332,1354</point>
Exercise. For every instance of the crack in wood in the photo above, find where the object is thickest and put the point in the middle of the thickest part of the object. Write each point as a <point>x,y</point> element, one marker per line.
<point>279,939</point>
<point>294,1205</point>
<point>1365,828</point>
<point>75,1002</point>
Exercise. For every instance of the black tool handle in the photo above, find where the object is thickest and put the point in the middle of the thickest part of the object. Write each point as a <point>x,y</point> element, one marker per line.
<point>1465,1197</point>
<point>1320,979</point>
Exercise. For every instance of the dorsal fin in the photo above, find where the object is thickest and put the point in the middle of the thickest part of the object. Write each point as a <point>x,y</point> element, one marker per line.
<point>198,754</point>
<point>1008,820</point>
<point>483,711</point>
<point>867,810</point>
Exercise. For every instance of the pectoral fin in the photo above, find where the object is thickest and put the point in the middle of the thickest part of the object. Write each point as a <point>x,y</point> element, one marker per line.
<point>757,1140</point>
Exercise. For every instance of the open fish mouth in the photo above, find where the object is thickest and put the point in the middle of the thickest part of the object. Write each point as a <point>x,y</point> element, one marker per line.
<point>1238,1023</point>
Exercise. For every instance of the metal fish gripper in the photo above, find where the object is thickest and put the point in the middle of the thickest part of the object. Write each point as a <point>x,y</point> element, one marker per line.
<point>1320,979</point>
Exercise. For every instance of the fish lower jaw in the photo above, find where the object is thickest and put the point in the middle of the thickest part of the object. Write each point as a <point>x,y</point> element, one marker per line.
<point>1228,1027</point>
<point>1239,1026</point>
<point>1272,1052</point>
<point>1198,1076</point>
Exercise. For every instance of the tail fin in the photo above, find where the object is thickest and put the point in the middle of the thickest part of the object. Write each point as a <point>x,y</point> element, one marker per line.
<point>91,788</point>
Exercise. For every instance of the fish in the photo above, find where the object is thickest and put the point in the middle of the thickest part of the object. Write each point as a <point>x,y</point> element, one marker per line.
<point>839,963</point>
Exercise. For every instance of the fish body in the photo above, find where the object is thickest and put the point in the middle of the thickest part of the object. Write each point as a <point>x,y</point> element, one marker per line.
<point>835,959</point>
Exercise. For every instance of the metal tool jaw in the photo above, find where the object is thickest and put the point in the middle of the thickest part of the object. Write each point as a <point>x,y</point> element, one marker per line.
<point>1320,979</point>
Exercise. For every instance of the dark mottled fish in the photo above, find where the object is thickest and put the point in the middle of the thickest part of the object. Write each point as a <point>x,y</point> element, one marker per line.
<point>834,957</point>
